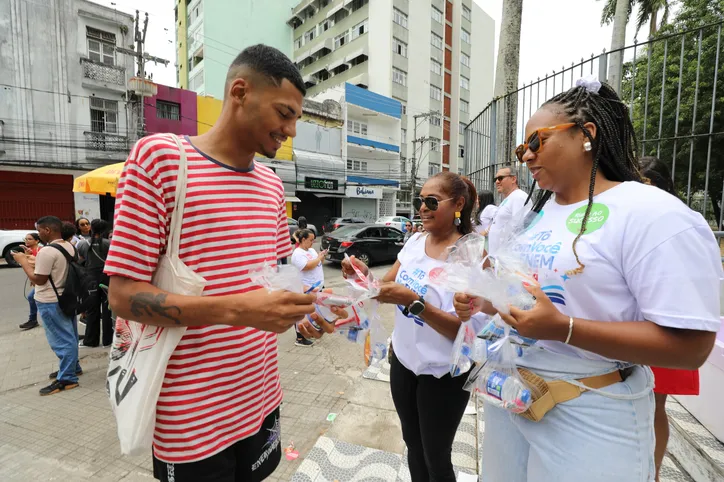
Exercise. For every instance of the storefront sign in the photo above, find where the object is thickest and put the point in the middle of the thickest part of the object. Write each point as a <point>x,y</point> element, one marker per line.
<point>364,192</point>
<point>321,184</point>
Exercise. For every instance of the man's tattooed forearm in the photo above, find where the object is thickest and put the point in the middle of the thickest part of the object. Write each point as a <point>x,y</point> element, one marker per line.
<point>152,305</point>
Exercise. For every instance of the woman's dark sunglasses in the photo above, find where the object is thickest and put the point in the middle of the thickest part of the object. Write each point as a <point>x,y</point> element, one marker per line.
<point>534,143</point>
<point>431,203</point>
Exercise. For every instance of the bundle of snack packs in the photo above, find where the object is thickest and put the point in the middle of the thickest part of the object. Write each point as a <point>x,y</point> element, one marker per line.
<point>500,280</point>
<point>361,326</point>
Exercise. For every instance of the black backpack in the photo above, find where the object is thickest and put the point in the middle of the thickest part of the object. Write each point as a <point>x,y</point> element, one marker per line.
<point>80,286</point>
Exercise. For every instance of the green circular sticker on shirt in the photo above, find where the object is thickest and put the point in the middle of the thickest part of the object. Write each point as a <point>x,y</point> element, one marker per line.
<point>598,216</point>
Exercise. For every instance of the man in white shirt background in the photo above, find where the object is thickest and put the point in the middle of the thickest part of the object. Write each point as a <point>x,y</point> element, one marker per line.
<point>506,183</point>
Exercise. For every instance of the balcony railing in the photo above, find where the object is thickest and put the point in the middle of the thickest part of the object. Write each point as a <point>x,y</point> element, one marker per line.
<point>110,74</point>
<point>105,142</point>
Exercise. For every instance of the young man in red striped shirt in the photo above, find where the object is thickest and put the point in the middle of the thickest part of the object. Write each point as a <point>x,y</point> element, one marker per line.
<point>217,417</point>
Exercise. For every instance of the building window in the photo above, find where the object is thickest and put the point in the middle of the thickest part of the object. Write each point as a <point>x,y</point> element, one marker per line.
<point>359,166</point>
<point>311,33</point>
<point>168,110</point>
<point>298,43</point>
<point>436,40</point>
<point>435,121</point>
<point>464,35</point>
<point>403,136</point>
<point>399,18</point>
<point>464,106</point>
<point>326,25</point>
<point>460,171</point>
<point>464,59</point>
<point>359,29</point>
<point>434,144</point>
<point>435,67</point>
<point>435,93</point>
<point>399,47</point>
<point>101,46</point>
<point>461,150</point>
<point>433,169</point>
<point>104,115</point>
<point>462,127</point>
<point>340,40</point>
<point>356,127</point>
<point>436,15</point>
<point>464,82</point>
<point>467,13</point>
<point>404,109</point>
<point>399,76</point>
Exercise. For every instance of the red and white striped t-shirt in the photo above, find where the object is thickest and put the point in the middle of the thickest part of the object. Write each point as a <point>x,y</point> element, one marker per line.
<point>221,381</point>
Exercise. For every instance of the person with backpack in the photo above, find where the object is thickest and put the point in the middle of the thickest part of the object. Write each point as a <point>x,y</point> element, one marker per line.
<point>93,252</point>
<point>51,276</point>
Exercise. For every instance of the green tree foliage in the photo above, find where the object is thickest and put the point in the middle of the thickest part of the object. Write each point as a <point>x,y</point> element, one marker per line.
<point>692,141</point>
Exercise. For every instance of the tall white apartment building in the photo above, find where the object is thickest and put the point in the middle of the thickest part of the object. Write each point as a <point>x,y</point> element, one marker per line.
<point>434,56</point>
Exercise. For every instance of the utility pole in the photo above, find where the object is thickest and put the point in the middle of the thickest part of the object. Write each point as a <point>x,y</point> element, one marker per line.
<point>414,165</point>
<point>141,58</point>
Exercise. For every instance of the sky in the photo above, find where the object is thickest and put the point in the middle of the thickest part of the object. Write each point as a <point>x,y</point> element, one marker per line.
<point>554,33</point>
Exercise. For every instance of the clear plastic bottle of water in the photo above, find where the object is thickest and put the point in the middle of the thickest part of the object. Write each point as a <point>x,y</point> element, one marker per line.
<point>504,390</point>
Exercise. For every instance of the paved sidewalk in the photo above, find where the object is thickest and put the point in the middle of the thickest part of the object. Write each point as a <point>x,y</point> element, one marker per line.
<point>72,436</point>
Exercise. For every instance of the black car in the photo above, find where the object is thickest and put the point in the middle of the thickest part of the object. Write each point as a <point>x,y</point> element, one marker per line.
<point>336,223</point>
<point>368,242</point>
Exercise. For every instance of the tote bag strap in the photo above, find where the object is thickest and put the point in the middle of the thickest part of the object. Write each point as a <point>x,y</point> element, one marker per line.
<point>174,235</point>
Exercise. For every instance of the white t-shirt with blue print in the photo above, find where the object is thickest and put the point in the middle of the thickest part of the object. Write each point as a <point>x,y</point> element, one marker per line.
<point>419,347</point>
<point>647,256</point>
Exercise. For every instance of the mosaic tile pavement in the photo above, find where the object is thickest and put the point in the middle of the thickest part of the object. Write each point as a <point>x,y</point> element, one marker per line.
<point>695,448</point>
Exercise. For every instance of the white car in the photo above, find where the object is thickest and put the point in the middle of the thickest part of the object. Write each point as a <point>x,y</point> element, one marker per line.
<point>10,239</point>
<point>394,221</point>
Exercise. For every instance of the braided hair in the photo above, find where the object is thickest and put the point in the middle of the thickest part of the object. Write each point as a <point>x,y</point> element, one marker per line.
<point>614,148</point>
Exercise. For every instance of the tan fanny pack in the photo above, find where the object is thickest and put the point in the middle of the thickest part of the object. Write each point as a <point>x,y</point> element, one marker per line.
<point>546,395</point>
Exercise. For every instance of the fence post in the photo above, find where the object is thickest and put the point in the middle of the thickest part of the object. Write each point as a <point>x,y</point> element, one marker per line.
<point>603,67</point>
<point>493,132</point>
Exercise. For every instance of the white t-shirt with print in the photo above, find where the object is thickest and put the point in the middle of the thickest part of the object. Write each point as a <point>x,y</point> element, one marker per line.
<point>510,206</point>
<point>486,218</point>
<point>647,256</point>
<point>300,258</point>
<point>419,347</point>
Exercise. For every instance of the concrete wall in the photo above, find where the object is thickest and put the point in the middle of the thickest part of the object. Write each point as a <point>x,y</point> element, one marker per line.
<point>187,123</point>
<point>239,24</point>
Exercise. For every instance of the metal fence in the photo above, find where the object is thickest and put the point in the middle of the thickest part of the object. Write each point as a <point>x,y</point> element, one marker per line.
<point>674,87</point>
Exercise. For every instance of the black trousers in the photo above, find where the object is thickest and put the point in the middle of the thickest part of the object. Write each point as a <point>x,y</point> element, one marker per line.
<point>98,313</point>
<point>430,410</point>
<point>250,460</point>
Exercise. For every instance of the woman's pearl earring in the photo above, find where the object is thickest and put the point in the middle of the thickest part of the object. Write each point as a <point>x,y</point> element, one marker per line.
<point>587,146</point>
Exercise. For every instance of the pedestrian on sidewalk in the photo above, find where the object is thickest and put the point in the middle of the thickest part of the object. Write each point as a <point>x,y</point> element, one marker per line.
<point>51,268</point>
<point>628,277</point>
<point>217,416</point>
<point>667,381</point>
<point>94,253</point>
<point>83,229</point>
<point>429,401</point>
<point>31,248</point>
<point>306,259</point>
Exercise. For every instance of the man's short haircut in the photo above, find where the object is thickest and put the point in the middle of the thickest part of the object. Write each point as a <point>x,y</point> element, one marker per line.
<point>513,172</point>
<point>269,64</point>
<point>52,222</point>
<point>67,230</point>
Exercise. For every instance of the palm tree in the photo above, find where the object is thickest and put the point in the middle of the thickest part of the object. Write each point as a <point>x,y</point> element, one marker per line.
<point>619,13</point>
<point>648,13</point>
<point>506,77</point>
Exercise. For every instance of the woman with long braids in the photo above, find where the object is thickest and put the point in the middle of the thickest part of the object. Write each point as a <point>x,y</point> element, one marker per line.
<point>429,402</point>
<point>628,277</point>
